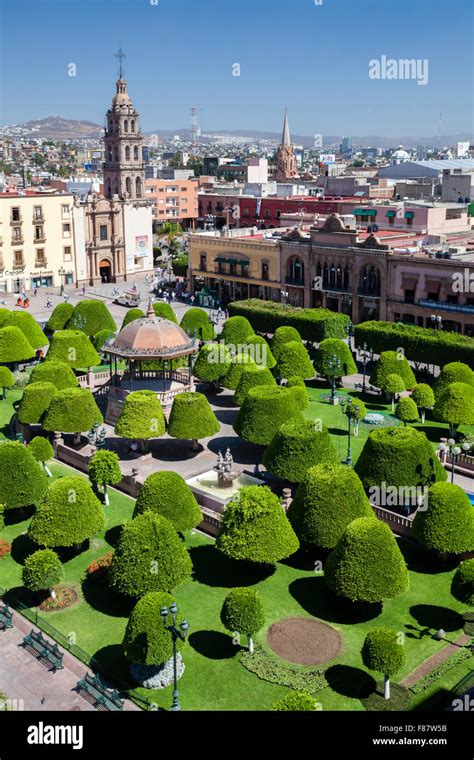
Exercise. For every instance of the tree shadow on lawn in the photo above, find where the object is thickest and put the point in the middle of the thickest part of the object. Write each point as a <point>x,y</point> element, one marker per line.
<point>17,515</point>
<point>110,661</point>
<point>213,644</point>
<point>104,599</point>
<point>433,432</point>
<point>317,599</point>
<point>21,597</point>
<point>420,560</point>
<point>305,558</point>
<point>112,535</point>
<point>212,568</point>
<point>350,682</point>
<point>243,452</point>
<point>22,547</point>
<point>434,617</point>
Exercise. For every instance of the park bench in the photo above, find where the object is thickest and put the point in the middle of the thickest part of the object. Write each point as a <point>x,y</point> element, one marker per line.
<point>5,617</point>
<point>48,653</point>
<point>95,691</point>
<point>368,388</point>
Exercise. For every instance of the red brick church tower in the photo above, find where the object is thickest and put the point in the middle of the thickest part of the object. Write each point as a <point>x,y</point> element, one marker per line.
<point>286,169</point>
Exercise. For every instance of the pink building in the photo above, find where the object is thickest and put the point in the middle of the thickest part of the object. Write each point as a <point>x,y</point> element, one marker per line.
<point>173,200</point>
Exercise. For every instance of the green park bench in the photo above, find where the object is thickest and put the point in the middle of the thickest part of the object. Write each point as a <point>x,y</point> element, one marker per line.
<point>5,617</point>
<point>101,696</point>
<point>43,650</point>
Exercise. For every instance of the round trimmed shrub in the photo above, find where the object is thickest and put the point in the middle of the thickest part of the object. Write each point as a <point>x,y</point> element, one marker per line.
<point>294,360</point>
<point>35,402</point>
<point>296,701</point>
<point>251,377</point>
<point>56,372</point>
<point>258,348</point>
<point>243,612</point>
<point>297,446</point>
<point>149,557</point>
<point>329,497</point>
<point>283,335</point>
<point>60,315</point>
<point>406,410</point>
<point>28,326</point>
<point>69,514</point>
<point>91,317</point>
<point>22,480</point>
<point>454,372</point>
<point>423,396</point>
<point>392,363</point>
<point>141,417</point>
<point>101,338</point>
<point>254,527</point>
<point>167,494</point>
<point>393,385</point>
<point>104,470</point>
<point>146,641</point>
<point>264,410</point>
<point>13,346</point>
<point>72,410</point>
<point>462,586</point>
<point>164,310</point>
<point>400,457</point>
<point>3,315</point>
<point>74,348</point>
<point>299,390</point>
<point>197,320</point>
<point>41,449</point>
<point>237,366</point>
<point>6,378</point>
<point>366,564</point>
<point>236,330</point>
<point>334,347</point>
<point>455,405</point>
<point>42,570</point>
<point>383,652</point>
<point>131,316</point>
<point>212,362</point>
<point>192,417</point>
<point>447,525</point>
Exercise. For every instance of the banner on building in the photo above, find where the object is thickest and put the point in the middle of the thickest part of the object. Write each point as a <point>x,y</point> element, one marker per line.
<point>141,246</point>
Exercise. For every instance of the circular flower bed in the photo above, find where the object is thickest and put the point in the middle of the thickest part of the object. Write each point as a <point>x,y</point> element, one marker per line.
<point>98,570</point>
<point>5,547</point>
<point>304,640</point>
<point>380,419</point>
<point>65,597</point>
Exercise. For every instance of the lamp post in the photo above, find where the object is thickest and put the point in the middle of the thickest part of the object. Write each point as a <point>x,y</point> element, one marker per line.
<point>284,294</point>
<point>364,355</point>
<point>437,322</point>
<point>333,365</point>
<point>454,452</point>
<point>175,635</point>
<point>350,333</point>
<point>351,413</point>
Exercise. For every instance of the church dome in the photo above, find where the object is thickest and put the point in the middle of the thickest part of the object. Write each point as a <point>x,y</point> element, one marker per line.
<point>122,98</point>
<point>400,154</point>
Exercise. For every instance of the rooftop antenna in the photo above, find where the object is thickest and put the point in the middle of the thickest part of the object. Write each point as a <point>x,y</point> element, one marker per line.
<point>120,55</point>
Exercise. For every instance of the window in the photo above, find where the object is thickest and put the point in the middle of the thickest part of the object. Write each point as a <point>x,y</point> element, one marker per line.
<point>127,153</point>
<point>409,221</point>
<point>103,232</point>
<point>39,234</point>
<point>138,187</point>
<point>128,185</point>
<point>409,296</point>
<point>65,207</point>
<point>278,214</point>
<point>246,213</point>
<point>67,256</point>
<point>452,298</point>
<point>132,126</point>
<point>264,270</point>
<point>161,189</point>
<point>183,190</point>
<point>116,153</point>
<point>66,230</point>
<point>37,212</point>
<point>16,216</point>
<point>267,214</point>
<point>135,153</point>
<point>16,233</point>
<point>125,125</point>
<point>203,262</point>
<point>18,258</point>
<point>40,259</point>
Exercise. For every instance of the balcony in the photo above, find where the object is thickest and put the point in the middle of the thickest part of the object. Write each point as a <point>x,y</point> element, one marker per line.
<point>18,241</point>
<point>16,221</point>
<point>38,219</point>
<point>443,306</point>
<point>41,263</point>
<point>326,286</point>
<point>19,263</point>
<point>40,239</point>
<point>368,293</point>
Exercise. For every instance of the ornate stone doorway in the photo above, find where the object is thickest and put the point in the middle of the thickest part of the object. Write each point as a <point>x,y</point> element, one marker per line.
<point>105,270</point>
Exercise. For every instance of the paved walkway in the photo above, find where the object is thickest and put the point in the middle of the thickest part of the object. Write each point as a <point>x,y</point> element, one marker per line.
<point>436,659</point>
<point>24,678</point>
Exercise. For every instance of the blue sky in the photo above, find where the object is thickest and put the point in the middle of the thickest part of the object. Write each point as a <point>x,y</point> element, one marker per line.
<point>311,58</point>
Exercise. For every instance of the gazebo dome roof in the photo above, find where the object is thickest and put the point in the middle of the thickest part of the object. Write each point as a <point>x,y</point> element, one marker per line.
<point>152,336</point>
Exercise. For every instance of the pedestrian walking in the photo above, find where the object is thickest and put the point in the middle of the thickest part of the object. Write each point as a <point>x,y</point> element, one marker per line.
<point>192,299</point>
<point>23,293</point>
<point>83,290</point>
<point>66,298</point>
<point>35,291</point>
<point>61,290</point>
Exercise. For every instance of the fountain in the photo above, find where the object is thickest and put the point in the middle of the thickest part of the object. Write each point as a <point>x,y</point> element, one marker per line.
<point>215,488</point>
<point>225,472</point>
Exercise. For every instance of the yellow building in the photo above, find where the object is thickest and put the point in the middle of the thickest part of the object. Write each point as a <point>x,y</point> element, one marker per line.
<point>36,242</point>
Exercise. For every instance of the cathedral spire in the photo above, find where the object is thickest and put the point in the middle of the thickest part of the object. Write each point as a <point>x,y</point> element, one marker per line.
<point>285,138</point>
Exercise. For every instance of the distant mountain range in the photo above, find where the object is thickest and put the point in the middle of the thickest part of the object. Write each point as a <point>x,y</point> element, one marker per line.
<point>60,128</point>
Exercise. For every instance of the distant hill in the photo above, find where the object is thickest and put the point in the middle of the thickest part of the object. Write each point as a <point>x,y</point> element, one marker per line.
<point>56,128</point>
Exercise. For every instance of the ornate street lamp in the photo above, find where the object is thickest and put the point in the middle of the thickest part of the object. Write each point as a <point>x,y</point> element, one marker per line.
<point>364,355</point>
<point>352,412</point>
<point>454,451</point>
<point>350,334</point>
<point>333,367</point>
<point>175,635</point>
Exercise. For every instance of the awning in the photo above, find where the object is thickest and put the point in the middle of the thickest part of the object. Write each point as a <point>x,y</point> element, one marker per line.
<point>365,212</point>
<point>409,214</point>
<point>225,260</point>
<point>432,286</point>
<point>390,213</point>
<point>409,283</point>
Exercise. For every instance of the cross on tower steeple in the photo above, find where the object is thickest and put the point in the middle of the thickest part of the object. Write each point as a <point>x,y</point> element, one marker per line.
<point>120,55</point>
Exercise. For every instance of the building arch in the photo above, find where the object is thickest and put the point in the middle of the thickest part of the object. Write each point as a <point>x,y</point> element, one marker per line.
<point>370,280</point>
<point>127,153</point>
<point>295,269</point>
<point>128,185</point>
<point>138,187</point>
<point>132,125</point>
<point>125,125</point>
<point>135,153</point>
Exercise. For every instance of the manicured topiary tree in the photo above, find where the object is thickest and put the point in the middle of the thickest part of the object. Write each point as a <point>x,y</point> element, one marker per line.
<point>423,397</point>
<point>334,347</point>
<point>149,557</point>
<point>236,330</point>
<point>104,470</point>
<point>238,364</point>
<point>366,565</point>
<point>392,363</point>
<point>91,317</point>
<point>407,410</point>
<point>28,326</point>
<point>251,377</point>
<point>297,446</point>
<point>6,380</point>
<point>393,385</point>
<point>35,402</point>
<point>42,451</point>
<point>264,410</point>
<point>329,497</point>
<point>164,310</point>
<point>74,348</point>
<point>167,494</point>
<point>4,313</point>
<point>101,338</point>
<point>455,405</point>
<point>72,410</point>
<point>212,363</point>
<point>447,525</point>
<point>255,528</point>
<point>299,390</point>
<point>146,641</point>
<point>400,457</point>
<point>294,360</point>
<point>243,613</point>
<point>462,585</point>
<point>14,347</point>
<point>454,372</point>
<point>22,480</point>
<point>56,372</point>
<point>258,348</point>
<point>60,316</point>
<point>131,316</point>
<point>69,514</point>
<point>296,701</point>
<point>359,415</point>
<point>196,320</point>
<point>192,417</point>
<point>42,571</point>
<point>282,335</point>
<point>383,652</point>
<point>141,417</point>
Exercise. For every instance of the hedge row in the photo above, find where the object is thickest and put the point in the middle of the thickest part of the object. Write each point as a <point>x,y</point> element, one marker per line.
<point>420,344</point>
<point>312,324</point>
<point>430,678</point>
<point>268,669</point>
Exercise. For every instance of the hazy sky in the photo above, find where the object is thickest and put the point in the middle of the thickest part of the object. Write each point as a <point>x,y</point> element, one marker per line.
<point>312,58</point>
